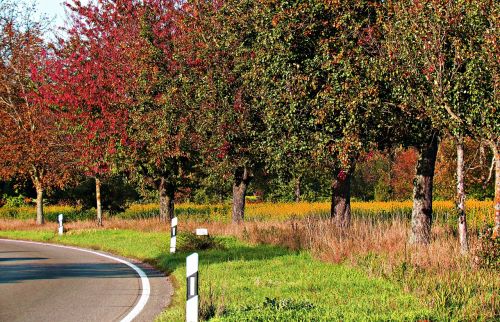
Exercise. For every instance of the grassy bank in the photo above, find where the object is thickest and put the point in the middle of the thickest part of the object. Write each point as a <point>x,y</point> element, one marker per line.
<point>254,283</point>
<point>451,286</point>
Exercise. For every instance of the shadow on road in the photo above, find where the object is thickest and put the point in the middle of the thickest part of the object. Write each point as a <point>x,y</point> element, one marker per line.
<point>24,272</point>
<point>15,259</point>
<point>15,251</point>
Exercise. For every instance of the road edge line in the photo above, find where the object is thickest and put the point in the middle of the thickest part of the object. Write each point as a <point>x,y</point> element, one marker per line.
<point>145,285</point>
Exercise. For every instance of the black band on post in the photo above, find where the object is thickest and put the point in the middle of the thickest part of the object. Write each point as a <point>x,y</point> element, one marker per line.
<point>192,286</point>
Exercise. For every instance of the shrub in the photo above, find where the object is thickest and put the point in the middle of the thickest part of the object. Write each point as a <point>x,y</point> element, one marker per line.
<point>189,242</point>
<point>8,212</point>
<point>488,250</point>
<point>275,309</point>
<point>14,201</point>
<point>51,213</point>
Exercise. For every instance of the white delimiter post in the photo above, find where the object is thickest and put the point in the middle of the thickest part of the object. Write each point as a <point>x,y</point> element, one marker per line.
<point>192,288</point>
<point>61,227</point>
<point>173,235</point>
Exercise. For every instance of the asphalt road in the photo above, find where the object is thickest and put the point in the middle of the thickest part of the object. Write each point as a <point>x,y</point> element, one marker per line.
<point>48,283</point>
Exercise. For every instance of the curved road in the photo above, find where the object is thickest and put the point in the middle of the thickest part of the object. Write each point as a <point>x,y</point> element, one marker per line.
<point>40,282</point>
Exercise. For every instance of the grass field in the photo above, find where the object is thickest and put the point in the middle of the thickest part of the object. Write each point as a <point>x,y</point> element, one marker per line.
<point>288,262</point>
<point>241,282</point>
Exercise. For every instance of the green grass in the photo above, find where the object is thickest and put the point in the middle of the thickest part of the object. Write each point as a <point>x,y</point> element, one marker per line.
<point>241,282</point>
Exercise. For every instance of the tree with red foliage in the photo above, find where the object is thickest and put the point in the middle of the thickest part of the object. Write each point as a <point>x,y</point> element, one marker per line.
<point>115,80</point>
<point>91,82</point>
<point>403,173</point>
<point>32,144</point>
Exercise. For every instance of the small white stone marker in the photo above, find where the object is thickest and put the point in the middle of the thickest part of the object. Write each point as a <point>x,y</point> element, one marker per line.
<point>192,288</point>
<point>173,235</point>
<point>201,232</point>
<point>61,227</point>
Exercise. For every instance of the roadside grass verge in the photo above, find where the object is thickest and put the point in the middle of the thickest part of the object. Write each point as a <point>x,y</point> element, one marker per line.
<point>244,282</point>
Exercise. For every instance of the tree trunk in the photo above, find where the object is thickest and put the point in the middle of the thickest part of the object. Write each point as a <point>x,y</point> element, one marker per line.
<point>298,183</point>
<point>482,158</point>
<point>40,220</point>
<point>98,201</point>
<point>242,178</point>
<point>167,192</point>
<point>421,217</point>
<point>462,218</point>
<point>496,152</point>
<point>340,210</point>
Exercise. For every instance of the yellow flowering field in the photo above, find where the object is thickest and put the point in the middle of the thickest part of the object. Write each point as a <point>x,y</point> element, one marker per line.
<point>479,212</point>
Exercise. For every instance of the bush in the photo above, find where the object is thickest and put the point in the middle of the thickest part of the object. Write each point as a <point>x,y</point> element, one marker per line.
<point>116,194</point>
<point>198,213</point>
<point>8,212</point>
<point>14,201</point>
<point>488,251</point>
<point>189,242</point>
<point>50,212</point>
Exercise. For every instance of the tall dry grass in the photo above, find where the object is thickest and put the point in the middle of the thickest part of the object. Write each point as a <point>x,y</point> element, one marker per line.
<point>454,285</point>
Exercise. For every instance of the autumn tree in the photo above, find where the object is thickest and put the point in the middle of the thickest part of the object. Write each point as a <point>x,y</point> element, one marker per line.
<point>32,145</point>
<point>311,74</point>
<point>92,80</point>
<point>161,126</point>
<point>488,122</point>
<point>214,45</point>
<point>433,45</point>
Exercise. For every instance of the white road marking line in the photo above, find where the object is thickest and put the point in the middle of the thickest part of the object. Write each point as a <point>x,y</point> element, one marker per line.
<point>146,288</point>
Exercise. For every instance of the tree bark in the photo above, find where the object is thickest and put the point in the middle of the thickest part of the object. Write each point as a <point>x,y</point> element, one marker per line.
<point>496,153</point>
<point>462,218</point>
<point>421,217</point>
<point>298,183</point>
<point>167,192</point>
<point>340,210</point>
<point>482,158</point>
<point>98,201</point>
<point>242,178</point>
<point>40,219</point>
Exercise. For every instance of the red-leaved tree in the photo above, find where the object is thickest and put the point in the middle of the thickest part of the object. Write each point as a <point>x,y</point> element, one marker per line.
<point>32,143</point>
<point>91,83</point>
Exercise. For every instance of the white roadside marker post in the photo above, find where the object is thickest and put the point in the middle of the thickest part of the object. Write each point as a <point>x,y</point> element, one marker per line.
<point>192,288</point>
<point>61,227</point>
<point>173,235</point>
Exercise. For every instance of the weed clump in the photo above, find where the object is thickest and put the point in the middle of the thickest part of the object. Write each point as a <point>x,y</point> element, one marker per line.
<point>275,309</point>
<point>488,250</point>
<point>189,242</point>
